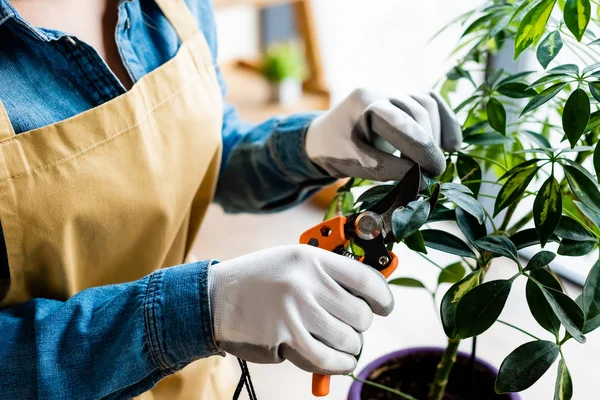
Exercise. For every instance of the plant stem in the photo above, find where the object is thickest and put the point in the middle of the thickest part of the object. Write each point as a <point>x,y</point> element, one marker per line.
<point>438,387</point>
<point>509,214</point>
<point>382,387</point>
<point>521,223</point>
<point>519,329</point>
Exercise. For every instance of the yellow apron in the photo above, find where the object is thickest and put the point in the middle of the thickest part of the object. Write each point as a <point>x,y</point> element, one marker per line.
<point>119,191</point>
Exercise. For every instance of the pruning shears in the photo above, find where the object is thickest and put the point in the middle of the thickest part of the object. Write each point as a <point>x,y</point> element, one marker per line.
<point>371,230</point>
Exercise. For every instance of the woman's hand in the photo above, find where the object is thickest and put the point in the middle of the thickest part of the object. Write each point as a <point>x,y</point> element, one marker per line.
<point>355,138</point>
<point>299,303</point>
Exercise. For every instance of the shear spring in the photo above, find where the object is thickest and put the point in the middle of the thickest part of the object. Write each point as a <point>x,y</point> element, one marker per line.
<point>343,252</point>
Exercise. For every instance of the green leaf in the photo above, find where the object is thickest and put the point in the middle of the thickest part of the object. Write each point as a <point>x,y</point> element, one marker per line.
<point>449,173</point>
<point>442,213</point>
<point>563,390</point>
<point>590,68</point>
<point>357,250</point>
<point>575,248</point>
<point>466,102</point>
<point>576,165</point>
<point>525,365</point>
<point>582,187</point>
<point>514,78</point>
<point>595,90</point>
<point>497,115</point>
<point>347,203</point>
<point>514,187</point>
<point>538,139</point>
<point>568,312</point>
<point>590,214</point>
<point>469,225</point>
<point>516,90</point>
<point>447,88</point>
<point>332,211</point>
<point>549,48</point>
<point>597,161</point>
<point>528,237</point>
<point>480,308</point>
<point>533,25</point>
<point>479,24</point>
<point>571,69</point>
<point>407,282</point>
<point>569,228</point>
<point>486,139</point>
<point>457,73</point>
<point>407,220</point>
<point>576,115</point>
<point>452,273</point>
<point>469,170</point>
<point>577,16</point>
<point>540,260</point>
<point>550,78</point>
<point>547,209</point>
<point>446,242</point>
<point>467,203</point>
<point>434,196</point>
<point>475,128</point>
<point>494,76</point>
<point>545,96</point>
<point>451,186</point>
<point>451,300</point>
<point>519,168</point>
<point>538,305</point>
<point>591,294</point>
<point>375,191</point>
<point>499,246</point>
<point>416,243</point>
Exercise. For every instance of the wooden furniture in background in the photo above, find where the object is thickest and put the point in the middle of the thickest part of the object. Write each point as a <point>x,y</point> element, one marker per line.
<point>249,91</point>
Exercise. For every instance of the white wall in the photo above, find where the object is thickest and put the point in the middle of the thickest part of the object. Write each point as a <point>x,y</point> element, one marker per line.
<point>381,44</point>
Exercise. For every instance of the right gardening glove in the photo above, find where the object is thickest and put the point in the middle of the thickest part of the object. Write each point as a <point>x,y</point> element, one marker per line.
<point>299,303</point>
<point>357,137</point>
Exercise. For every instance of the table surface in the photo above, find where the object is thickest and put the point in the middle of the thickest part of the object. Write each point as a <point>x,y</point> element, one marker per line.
<point>414,322</point>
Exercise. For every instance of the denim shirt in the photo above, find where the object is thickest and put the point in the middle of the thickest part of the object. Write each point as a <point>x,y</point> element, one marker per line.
<point>117,341</point>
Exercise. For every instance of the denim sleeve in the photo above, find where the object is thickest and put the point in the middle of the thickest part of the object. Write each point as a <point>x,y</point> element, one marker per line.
<point>265,167</point>
<point>107,342</point>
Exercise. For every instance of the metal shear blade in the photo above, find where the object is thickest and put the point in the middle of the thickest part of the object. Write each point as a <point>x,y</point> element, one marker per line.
<point>401,195</point>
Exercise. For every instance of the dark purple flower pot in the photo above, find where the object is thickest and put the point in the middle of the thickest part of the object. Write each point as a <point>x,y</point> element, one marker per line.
<point>411,371</point>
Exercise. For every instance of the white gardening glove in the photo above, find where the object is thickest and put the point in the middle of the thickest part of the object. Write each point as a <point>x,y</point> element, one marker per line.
<point>298,303</point>
<point>348,140</point>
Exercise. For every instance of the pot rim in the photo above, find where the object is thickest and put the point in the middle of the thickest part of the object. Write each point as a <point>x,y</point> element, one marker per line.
<point>356,388</point>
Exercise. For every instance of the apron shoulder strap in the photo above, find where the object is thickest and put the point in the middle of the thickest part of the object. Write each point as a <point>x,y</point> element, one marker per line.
<point>6,129</point>
<point>180,16</point>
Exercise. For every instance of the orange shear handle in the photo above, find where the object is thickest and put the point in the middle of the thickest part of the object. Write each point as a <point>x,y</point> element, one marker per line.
<point>329,235</point>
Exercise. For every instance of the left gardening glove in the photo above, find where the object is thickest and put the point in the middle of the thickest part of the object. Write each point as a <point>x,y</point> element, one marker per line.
<point>357,137</point>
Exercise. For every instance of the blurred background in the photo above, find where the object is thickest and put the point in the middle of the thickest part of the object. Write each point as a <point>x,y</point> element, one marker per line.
<point>280,57</point>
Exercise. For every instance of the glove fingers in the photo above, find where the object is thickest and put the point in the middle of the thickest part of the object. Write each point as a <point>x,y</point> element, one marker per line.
<point>311,355</point>
<point>416,111</point>
<point>360,280</point>
<point>429,104</point>
<point>405,134</point>
<point>331,331</point>
<point>347,308</point>
<point>451,129</point>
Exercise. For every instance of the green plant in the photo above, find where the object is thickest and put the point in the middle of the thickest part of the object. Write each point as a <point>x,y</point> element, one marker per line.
<point>534,135</point>
<point>283,61</point>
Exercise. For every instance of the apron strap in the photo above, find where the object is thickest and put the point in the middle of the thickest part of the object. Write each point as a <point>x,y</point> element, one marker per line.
<point>180,16</point>
<point>6,129</point>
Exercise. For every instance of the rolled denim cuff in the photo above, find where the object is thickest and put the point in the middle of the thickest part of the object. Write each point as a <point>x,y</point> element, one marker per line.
<point>288,149</point>
<point>177,315</point>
